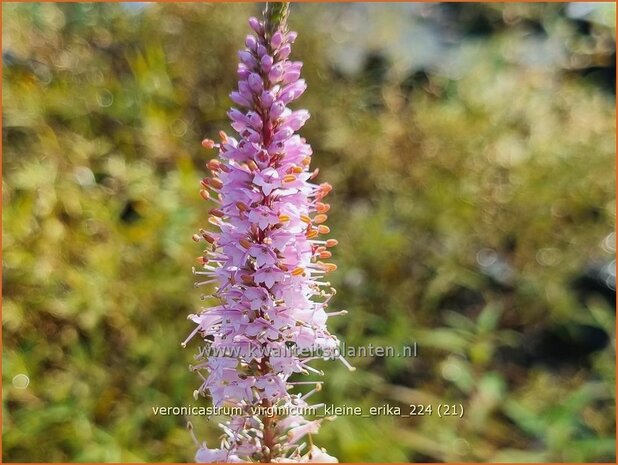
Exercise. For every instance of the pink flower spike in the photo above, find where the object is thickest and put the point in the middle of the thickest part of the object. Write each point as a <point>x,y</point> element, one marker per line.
<point>263,263</point>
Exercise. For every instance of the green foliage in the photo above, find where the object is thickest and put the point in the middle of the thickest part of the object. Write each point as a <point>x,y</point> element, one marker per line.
<point>465,208</point>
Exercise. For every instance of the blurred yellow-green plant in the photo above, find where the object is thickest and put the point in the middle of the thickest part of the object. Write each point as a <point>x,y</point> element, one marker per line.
<point>474,204</point>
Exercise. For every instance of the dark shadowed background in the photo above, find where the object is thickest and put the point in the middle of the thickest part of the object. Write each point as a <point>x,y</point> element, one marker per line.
<point>472,151</point>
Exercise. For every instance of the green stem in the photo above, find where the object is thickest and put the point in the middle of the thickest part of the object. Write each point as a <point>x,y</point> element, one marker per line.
<point>276,17</point>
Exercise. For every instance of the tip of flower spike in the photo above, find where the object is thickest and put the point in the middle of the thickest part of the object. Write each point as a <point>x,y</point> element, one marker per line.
<point>208,143</point>
<point>256,25</point>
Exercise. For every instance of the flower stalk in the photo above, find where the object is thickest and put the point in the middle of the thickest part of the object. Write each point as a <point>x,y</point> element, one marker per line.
<point>266,261</point>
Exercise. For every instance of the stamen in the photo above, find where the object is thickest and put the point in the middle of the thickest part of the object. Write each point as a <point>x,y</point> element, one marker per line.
<point>321,218</point>
<point>311,233</point>
<point>204,283</point>
<point>216,212</point>
<point>340,312</point>
<point>322,207</point>
<point>345,362</point>
<point>208,144</point>
<point>214,165</point>
<point>216,183</point>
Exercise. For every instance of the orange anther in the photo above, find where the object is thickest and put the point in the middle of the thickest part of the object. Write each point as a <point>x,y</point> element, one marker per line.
<point>328,267</point>
<point>311,233</point>
<point>326,187</point>
<point>298,271</point>
<point>216,183</point>
<point>207,237</point>
<point>208,143</point>
<point>322,207</point>
<point>331,267</point>
<point>321,218</point>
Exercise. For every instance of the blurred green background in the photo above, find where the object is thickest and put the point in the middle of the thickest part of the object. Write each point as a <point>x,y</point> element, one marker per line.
<point>472,151</point>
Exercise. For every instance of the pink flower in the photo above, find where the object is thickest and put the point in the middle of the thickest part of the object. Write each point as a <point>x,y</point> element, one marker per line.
<point>266,259</point>
<point>268,276</point>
